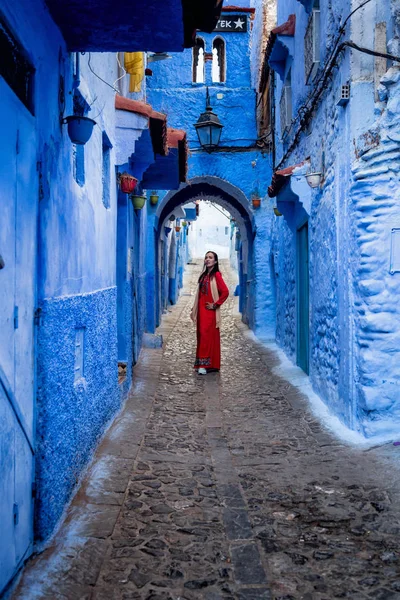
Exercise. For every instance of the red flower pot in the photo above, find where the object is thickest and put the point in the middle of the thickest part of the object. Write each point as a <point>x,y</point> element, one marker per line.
<point>256,202</point>
<point>127,183</point>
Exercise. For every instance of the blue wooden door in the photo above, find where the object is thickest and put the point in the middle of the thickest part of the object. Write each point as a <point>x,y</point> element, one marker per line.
<point>303,311</point>
<point>18,230</point>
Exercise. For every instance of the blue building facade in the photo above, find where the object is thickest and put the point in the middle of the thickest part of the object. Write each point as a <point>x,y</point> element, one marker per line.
<point>334,245</point>
<point>233,173</point>
<point>74,265</point>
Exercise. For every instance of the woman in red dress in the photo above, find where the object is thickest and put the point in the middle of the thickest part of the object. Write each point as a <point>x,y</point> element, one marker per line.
<point>211,294</point>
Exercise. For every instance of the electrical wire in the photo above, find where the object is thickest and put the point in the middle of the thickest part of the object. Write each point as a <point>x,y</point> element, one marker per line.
<point>124,74</point>
<point>316,97</point>
<point>309,105</point>
<point>304,106</point>
<point>98,76</point>
<point>219,210</point>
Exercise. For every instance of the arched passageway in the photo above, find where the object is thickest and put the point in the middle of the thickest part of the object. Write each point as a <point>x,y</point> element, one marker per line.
<point>236,203</point>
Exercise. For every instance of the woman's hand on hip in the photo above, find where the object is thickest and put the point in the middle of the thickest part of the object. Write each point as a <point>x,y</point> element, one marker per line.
<point>210,306</point>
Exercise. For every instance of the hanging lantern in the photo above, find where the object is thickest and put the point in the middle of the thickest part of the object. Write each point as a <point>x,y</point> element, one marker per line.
<point>208,128</point>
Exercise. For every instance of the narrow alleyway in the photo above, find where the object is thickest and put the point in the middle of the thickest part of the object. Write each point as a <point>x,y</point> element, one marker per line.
<point>224,486</point>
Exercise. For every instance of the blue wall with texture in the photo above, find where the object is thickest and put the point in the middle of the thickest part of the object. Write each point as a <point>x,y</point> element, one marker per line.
<point>351,239</point>
<point>171,89</point>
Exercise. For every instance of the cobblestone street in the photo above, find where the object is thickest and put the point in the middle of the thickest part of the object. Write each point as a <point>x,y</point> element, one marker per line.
<point>224,486</point>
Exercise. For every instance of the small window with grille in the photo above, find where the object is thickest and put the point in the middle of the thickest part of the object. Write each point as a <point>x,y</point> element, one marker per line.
<point>15,67</point>
<point>312,39</point>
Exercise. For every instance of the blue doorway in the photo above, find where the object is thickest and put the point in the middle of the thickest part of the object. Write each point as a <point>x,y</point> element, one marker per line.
<point>303,299</point>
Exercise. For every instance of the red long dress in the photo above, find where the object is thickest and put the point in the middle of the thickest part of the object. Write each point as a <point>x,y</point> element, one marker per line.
<point>208,354</point>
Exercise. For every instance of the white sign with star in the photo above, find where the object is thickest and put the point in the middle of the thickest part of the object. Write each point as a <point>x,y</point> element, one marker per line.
<point>232,23</point>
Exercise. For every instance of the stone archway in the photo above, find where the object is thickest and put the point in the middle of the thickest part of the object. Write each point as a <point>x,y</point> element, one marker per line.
<point>236,203</point>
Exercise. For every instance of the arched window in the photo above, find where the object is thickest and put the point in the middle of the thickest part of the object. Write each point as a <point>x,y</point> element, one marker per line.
<point>198,61</point>
<point>218,64</point>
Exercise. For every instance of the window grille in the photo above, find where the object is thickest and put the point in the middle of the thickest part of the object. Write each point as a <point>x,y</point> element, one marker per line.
<point>285,106</point>
<point>312,45</point>
<point>15,67</point>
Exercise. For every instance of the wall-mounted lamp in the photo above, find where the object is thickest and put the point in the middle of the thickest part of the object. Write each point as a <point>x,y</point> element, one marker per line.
<point>314,179</point>
<point>208,128</point>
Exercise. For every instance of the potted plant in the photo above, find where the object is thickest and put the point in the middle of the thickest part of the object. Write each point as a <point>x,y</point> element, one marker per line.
<point>154,198</point>
<point>256,199</point>
<point>184,223</point>
<point>177,228</point>
<point>138,201</point>
<point>127,183</point>
<point>79,128</point>
<point>276,212</point>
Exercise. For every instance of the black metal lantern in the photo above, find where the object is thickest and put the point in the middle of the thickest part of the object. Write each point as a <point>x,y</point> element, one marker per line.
<point>208,128</point>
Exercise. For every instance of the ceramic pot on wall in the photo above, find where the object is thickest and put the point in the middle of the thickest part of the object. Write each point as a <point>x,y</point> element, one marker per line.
<point>127,183</point>
<point>138,202</point>
<point>153,198</point>
<point>79,129</point>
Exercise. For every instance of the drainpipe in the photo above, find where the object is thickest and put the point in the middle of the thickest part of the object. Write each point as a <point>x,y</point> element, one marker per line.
<point>273,119</point>
<point>77,74</point>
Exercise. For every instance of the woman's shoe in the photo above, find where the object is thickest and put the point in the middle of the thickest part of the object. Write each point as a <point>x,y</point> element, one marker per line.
<point>202,371</point>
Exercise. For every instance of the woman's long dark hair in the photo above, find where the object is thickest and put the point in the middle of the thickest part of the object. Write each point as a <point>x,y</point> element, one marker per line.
<point>215,268</point>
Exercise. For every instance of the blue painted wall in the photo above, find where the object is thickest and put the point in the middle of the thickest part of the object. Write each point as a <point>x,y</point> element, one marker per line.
<point>352,290</point>
<point>171,90</point>
<point>92,261</point>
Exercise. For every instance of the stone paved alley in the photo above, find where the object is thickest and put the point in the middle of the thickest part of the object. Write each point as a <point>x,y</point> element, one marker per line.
<point>224,486</point>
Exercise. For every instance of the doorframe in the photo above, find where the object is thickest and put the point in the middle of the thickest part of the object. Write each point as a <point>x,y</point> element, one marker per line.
<point>300,354</point>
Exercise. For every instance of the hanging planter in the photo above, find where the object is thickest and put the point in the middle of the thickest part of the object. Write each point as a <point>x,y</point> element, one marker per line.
<point>138,201</point>
<point>178,228</point>
<point>127,183</point>
<point>153,198</point>
<point>79,129</point>
<point>184,223</point>
<point>256,198</point>
<point>276,212</point>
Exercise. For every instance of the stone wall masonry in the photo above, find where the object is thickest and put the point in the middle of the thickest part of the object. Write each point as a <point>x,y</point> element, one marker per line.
<point>375,217</point>
<point>72,413</point>
<point>325,145</point>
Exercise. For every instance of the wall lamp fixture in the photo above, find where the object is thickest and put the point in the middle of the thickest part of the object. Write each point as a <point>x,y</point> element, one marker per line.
<point>313,179</point>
